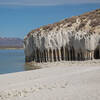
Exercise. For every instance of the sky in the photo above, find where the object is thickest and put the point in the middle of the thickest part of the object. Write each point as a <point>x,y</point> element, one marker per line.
<point>18,17</point>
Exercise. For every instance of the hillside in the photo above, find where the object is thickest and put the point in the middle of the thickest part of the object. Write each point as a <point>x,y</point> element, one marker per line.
<point>91,19</point>
<point>11,43</point>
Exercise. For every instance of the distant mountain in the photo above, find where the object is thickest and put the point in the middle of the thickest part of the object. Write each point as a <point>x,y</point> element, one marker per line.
<point>11,43</point>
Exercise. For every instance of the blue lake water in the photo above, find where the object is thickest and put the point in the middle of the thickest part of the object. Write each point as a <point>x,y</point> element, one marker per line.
<point>12,61</point>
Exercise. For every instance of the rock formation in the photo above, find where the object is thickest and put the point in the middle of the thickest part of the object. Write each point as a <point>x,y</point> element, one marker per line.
<point>75,38</point>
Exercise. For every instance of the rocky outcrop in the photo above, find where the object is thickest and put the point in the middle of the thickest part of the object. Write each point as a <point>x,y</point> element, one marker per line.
<point>76,38</point>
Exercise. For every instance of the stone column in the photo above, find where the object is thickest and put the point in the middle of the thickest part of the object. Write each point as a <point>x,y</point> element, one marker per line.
<point>56,56</point>
<point>35,52</point>
<point>80,56</point>
<point>88,55</point>
<point>85,55</point>
<point>92,55</point>
<point>57,50</point>
<point>40,56</point>
<point>43,55</point>
<point>48,54</point>
<point>72,53</point>
<point>76,57</point>
<point>69,55</point>
<point>52,56</point>
<point>64,55</point>
<point>46,57</point>
<point>59,54</point>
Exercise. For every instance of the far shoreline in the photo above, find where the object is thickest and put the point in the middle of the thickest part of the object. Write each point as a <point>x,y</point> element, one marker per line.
<point>11,48</point>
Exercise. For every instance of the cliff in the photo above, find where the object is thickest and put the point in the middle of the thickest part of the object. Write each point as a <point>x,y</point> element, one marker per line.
<point>75,38</point>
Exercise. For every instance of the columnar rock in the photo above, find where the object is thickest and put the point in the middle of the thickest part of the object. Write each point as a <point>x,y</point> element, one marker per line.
<point>76,38</point>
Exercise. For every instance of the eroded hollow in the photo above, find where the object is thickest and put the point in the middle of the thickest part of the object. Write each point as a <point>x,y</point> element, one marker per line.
<point>97,53</point>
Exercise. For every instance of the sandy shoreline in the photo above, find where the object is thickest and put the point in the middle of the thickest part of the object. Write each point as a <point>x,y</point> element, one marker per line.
<point>64,64</point>
<point>55,81</point>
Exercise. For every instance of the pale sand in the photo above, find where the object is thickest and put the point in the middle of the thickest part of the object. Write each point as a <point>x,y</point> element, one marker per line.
<point>66,81</point>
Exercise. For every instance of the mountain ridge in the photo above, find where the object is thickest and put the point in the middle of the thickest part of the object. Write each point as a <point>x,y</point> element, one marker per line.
<point>7,42</point>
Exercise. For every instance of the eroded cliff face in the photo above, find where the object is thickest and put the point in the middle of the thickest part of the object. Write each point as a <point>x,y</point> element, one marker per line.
<point>76,38</point>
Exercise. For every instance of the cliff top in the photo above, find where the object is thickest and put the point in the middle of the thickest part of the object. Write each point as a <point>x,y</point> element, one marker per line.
<point>91,19</point>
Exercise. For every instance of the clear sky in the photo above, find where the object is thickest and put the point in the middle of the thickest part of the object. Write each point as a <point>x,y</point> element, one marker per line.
<point>18,17</point>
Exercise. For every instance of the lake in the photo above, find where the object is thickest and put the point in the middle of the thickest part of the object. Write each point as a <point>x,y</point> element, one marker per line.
<point>12,61</point>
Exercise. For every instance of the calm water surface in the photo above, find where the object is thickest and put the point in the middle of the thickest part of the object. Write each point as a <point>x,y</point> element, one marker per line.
<point>12,61</point>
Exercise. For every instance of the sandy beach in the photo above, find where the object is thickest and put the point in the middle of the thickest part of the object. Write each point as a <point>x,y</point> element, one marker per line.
<point>76,80</point>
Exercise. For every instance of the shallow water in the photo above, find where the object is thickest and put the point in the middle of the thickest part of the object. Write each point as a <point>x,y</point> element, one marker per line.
<point>12,61</point>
